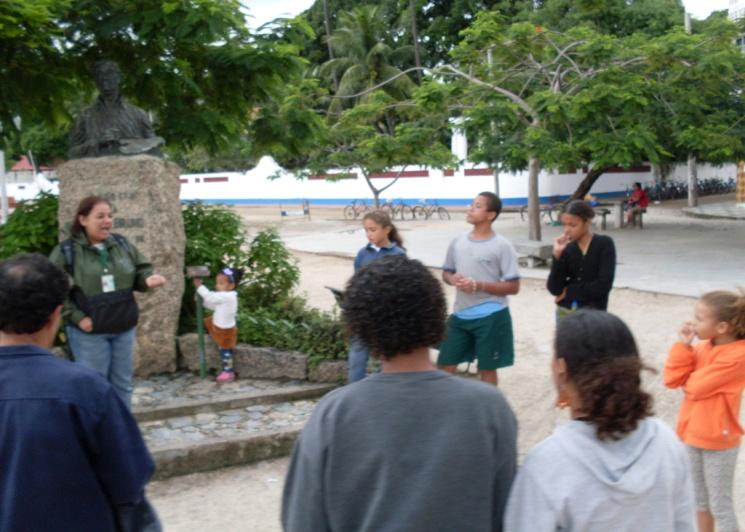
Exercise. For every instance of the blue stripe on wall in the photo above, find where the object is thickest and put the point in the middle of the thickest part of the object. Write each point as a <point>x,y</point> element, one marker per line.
<point>448,202</point>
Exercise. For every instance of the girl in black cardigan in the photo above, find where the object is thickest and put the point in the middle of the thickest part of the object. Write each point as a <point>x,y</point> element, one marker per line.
<point>584,263</point>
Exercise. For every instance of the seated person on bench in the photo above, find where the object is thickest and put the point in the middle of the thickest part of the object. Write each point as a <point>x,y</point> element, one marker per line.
<point>637,202</point>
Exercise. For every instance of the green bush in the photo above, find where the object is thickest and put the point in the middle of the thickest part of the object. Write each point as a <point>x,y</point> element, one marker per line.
<point>268,315</point>
<point>32,228</point>
<point>291,325</point>
<point>272,271</point>
<point>214,237</point>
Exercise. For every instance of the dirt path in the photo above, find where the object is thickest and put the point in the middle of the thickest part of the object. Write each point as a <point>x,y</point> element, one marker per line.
<point>248,498</point>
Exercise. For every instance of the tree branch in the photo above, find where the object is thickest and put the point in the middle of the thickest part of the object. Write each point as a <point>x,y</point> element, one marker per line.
<point>400,173</point>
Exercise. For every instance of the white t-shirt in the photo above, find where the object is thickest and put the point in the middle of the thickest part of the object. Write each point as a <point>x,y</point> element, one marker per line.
<point>225,305</point>
<point>490,260</point>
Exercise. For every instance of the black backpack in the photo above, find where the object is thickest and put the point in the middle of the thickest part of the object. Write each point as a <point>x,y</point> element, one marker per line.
<point>111,312</point>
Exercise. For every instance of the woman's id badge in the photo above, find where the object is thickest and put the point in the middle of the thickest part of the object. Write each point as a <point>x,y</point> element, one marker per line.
<point>107,283</point>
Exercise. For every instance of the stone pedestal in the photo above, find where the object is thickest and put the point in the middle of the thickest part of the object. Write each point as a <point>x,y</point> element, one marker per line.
<point>144,193</point>
<point>740,190</point>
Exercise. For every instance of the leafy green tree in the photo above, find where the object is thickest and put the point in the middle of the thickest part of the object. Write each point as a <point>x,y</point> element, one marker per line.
<point>614,17</point>
<point>381,135</point>
<point>527,102</point>
<point>363,59</point>
<point>437,24</point>
<point>195,65</point>
<point>699,82</point>
<point>33,70</point>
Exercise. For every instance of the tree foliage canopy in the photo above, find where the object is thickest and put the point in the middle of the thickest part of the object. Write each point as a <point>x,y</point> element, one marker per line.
<point>193,64</point>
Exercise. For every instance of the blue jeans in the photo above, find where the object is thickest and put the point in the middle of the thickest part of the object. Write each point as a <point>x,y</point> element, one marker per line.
<point>226,359</point>
<point>109,354</point>
<point>357,361</point>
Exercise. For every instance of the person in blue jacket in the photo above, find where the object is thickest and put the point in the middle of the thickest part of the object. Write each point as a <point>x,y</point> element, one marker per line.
<point>383,240</point>
<point>72,457</point>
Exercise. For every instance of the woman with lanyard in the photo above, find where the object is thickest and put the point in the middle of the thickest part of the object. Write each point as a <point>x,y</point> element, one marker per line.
<point>583,265</point>
<point>101,313</point>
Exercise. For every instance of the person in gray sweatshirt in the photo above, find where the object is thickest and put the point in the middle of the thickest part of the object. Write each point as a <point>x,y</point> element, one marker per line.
<point>411,448</point>
<point>613,466</point>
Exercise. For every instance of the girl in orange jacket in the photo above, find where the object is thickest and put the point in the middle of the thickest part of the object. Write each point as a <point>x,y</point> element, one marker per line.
<point>712,375</point>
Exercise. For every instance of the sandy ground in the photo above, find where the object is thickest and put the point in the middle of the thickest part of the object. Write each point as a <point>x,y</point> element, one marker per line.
<point>249,498</point>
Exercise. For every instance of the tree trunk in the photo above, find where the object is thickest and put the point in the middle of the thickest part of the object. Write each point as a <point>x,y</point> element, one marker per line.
<point>31,160</point>
<point>740,187</point>
<point>327,25</point>
<point>692,181</point>
<point>375,191</point>
<point>3,190</point>
<point>415,37</point>
<point>496,179</point>
<point>586,184</point>
<point>657,173</point>
<point>534,217</point>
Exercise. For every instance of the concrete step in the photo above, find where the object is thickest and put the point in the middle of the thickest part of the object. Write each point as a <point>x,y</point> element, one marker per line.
<point>206,441</point>
<point>192,425</point>
<point>186,407</point>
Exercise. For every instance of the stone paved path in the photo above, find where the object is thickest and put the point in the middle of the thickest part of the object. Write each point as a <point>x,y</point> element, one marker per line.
<point>226,423</point>
<point>162,390</point>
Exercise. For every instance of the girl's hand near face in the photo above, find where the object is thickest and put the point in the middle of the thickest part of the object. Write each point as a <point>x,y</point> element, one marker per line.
<point>560,244</point>
<point>687,333</point>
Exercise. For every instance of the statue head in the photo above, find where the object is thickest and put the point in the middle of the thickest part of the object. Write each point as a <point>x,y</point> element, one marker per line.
<point>107,76</point>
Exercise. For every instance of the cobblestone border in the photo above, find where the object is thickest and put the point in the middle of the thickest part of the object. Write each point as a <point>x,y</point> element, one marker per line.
<point>262,362</point>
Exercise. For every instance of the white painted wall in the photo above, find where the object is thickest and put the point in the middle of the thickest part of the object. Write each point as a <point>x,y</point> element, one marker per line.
<point>705,171</point>
<point>254,185</point>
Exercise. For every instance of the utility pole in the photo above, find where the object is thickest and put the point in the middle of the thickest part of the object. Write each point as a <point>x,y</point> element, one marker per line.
<point>692,162</point>
<point>3,189</point>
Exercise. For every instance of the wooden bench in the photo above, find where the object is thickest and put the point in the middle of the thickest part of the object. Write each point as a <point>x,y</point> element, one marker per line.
<point>303,211</point>
<point>603,213</point>
<point>637,218</point>
<point>534,252</point>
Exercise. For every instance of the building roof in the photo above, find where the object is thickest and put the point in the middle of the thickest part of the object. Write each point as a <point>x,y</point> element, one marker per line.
<point>24,165</point>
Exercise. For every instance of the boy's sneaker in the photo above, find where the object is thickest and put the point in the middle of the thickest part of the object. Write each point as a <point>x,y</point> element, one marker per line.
<point>226,376</point>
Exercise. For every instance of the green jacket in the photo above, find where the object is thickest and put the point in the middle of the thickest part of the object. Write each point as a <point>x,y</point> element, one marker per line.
<point>129,270</point>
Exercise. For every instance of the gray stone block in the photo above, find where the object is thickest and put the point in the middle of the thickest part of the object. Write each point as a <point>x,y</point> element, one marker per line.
<point>144,193</point>
<point>188,346</point>
<point>334,371</point>
<point>269,363</point>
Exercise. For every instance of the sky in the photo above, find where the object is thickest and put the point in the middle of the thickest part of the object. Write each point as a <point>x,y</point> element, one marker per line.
<point>265,10</point>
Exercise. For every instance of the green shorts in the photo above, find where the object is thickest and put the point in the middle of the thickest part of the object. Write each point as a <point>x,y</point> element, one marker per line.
<point>488,339</point>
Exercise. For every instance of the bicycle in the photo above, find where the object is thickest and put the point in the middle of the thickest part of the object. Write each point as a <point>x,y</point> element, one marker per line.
<point>355,209</point>
<point>546,211</point>
<point>426,210</point>
<point>402,211</point>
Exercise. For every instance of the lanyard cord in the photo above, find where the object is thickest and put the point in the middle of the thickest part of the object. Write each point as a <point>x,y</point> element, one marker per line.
<point>103,256</point>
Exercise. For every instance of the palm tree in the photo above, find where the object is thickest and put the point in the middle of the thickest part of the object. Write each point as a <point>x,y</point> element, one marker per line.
<point>362,59</point>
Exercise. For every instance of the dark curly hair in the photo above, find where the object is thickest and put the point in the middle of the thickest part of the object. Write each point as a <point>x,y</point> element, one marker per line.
<point>31,288</point>
<point>603,364</point>
<point>394,305</point>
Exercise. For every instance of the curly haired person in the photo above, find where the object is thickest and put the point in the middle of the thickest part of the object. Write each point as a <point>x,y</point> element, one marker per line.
<point>613,466</point>
<point>396,451</point>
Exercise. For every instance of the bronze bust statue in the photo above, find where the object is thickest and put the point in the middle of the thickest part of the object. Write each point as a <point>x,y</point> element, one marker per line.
<point>111,126</point>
